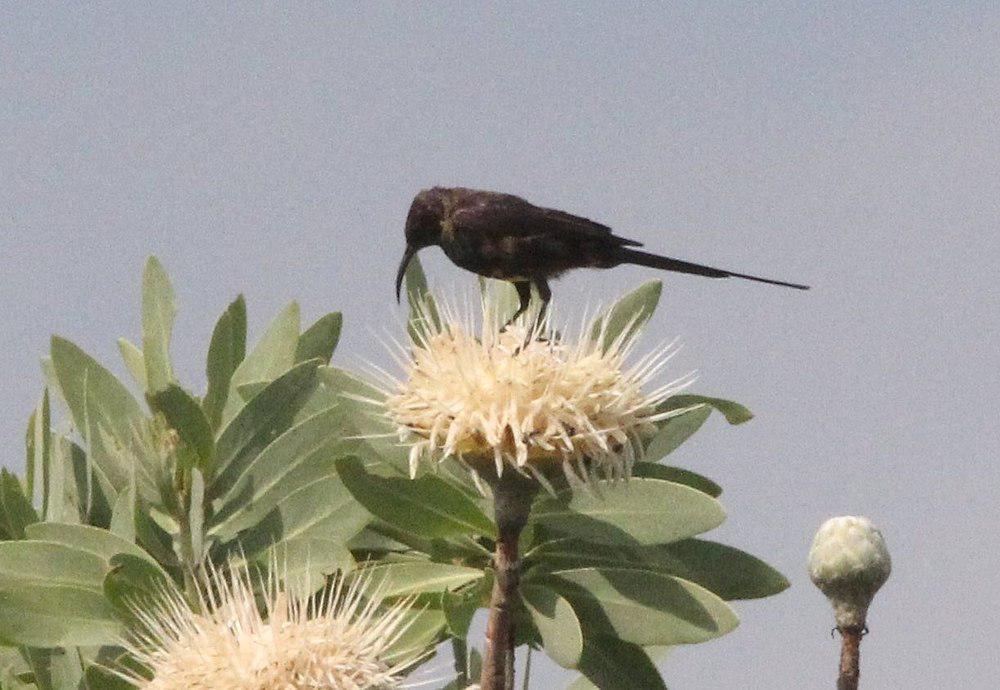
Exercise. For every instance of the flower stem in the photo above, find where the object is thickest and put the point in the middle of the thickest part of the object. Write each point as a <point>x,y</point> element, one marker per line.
<point>850,651</point>
<point>512,497</point>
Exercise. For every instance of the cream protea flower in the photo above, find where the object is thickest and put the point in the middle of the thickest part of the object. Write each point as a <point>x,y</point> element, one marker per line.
<point>339,639</point>
<point>849,562</point>
<point>511,398</point>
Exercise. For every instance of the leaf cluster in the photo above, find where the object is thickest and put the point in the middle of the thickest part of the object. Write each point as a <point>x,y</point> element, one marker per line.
<point>132,488</point>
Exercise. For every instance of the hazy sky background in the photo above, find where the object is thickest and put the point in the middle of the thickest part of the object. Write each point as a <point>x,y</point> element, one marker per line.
<point>274,150</point>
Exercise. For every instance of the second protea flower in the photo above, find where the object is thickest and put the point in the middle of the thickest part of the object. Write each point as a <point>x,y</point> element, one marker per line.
<point>510,397</point>
<point>337,640</point>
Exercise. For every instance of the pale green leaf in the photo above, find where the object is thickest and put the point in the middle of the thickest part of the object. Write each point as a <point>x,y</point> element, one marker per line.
<point>16,511</point>
<point>85,538</point>
<point>320,340</point>
<point>396,579</point>
<point>556,622</point>
<point>627,315</point>
<point>225,352</point>
<point>302,455</point>
<point>612,664</point>
<point>677,475</point>
<point>269,359</point>
<point>732,411</point>
<point>427,506</point>
<point>158,311</point>
<point>673,431</point>
<point>637,511</point>
<point>263,419</point>
<point>134,362</point>
<point>643,607</point>
<point>185,416</point>
<point>100,405</point>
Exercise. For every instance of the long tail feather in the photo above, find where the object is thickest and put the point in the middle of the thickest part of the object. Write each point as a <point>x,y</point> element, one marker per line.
<point>634,256</point>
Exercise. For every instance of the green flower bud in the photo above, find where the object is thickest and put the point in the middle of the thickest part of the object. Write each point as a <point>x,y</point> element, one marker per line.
<point>849,562</point>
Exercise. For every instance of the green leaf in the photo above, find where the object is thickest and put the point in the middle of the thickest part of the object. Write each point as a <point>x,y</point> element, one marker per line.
<point>99,404</point>
<point>304,563</point>
<point>320,340</point>
<point>459,607</point>
<point>638,511</point>
<point>501,296</point>
<point>84,538</point>
<point>51,596</point>
<point>123,514</point>
<point>427,506</point>
<point>627,315</point>
<point>301,456</point>
<point>396,579</point>
<point>251,390</point>
<point>556,623</point>
<point>258,423</point>
<point>723,570</point>
<point>99,678</point>
<point>612,664</point>
<point>642,607</point>
<point>158,311</point>
<point>677,475</point>
<point>39,452</point>
<point>272,357</point>
<point>225,352</point>
<point>673,431</point>
<point>134,362</point>
<point>185,416</point>
<point>16,512</point>
<point>323,509</point>
<point>196,515</point>
<point>421,301</point>
<point>732,411</point>
<point>424,629</point>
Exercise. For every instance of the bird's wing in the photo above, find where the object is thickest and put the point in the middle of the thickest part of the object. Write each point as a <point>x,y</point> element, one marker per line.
<point>506,215</point>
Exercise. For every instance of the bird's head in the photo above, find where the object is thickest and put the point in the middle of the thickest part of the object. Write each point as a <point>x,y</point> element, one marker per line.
<point>423,227</point>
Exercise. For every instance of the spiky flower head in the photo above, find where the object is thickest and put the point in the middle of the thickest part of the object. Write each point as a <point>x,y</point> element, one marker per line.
<point>849,562</point>
<point>338,639</point>
<point>525,398</point>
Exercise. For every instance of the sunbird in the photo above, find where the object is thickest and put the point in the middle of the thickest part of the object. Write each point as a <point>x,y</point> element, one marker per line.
<point>506,237</point>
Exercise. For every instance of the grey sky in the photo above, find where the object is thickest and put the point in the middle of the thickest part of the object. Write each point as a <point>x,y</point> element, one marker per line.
<point>274,150</point>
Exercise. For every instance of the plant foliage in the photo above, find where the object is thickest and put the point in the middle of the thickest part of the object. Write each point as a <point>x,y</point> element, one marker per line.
<point>132,487</point>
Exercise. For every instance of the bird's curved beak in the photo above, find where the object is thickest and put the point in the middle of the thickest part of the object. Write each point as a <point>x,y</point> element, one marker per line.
<point>411,250</point>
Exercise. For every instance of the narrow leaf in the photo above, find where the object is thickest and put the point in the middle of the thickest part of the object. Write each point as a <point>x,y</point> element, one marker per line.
<point>732,411</point>
<point>186,417</point>
<point>158,311</point>
<point>225,352</point>
<point>427,506</point>
<point>396,579</point>
<point>134,362</point>
<point>270,358</point>
<point>320,340</point>
<point>677,475</point>
<point>627,315</point>
<point>16,511</point>
<point>674,431</point>
<point>265,417</point>
<point>100,405</point>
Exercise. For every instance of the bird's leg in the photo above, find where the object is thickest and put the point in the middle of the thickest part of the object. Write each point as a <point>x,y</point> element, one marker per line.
<point>545,294</point>
<point>523,288</point>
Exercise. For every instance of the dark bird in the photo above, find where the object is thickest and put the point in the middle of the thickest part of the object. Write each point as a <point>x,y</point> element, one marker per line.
<point>503,236</point>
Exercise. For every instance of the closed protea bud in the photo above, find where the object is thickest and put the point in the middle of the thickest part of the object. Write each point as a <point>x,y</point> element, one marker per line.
<point>849,562</point>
